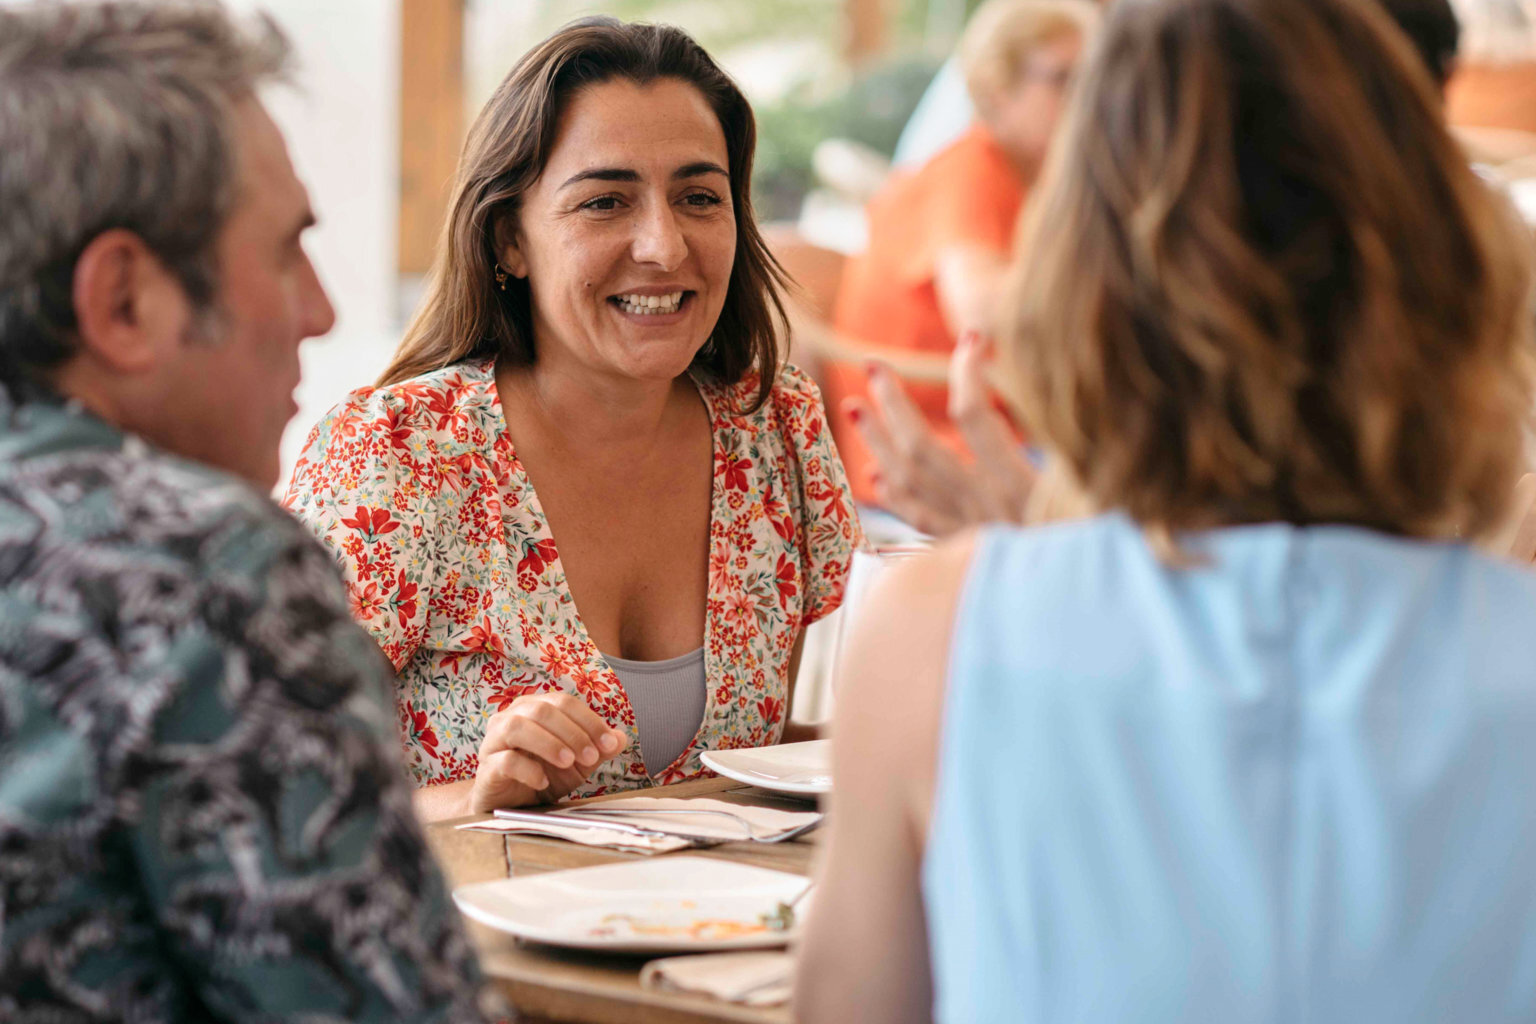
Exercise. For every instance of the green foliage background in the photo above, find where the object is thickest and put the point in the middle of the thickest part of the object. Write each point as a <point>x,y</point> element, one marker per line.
<point>868,105</point>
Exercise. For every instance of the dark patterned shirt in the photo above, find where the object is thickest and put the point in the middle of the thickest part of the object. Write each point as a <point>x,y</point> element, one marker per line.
<point>202,813</point>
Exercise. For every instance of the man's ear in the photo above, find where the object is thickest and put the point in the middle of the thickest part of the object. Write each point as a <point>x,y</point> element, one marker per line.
<point>130,311</point>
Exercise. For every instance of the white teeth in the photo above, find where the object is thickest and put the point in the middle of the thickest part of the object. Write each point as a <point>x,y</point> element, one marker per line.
<point>650,304</point>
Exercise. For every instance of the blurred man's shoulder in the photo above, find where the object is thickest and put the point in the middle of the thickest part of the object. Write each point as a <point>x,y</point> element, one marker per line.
<point>119,505</point>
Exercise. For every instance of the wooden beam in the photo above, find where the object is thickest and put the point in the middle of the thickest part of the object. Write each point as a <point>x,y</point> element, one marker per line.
<point>431,122</point>
<point>868,24</point>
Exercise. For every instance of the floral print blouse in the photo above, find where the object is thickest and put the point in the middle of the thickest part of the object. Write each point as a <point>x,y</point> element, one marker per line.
<point>417,489</point>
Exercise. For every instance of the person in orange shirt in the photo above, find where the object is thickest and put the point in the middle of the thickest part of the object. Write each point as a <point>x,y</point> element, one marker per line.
<point>1495,83</point>
<point>940,237</point>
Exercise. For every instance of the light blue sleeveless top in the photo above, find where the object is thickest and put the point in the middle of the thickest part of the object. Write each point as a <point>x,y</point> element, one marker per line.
<point>1297,784</point>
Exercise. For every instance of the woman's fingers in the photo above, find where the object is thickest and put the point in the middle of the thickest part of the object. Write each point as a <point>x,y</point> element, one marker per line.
<point>1001,468</point>
<point>903,418</point>
<point>547,715</point>
<point>607,740</point>
<point>872,428</point>
<point>502,775</point>
<point>558,728</point>
<point>562,782</point>
<point>917,453</point>
<point>919,479</point>
<point>526,734</point>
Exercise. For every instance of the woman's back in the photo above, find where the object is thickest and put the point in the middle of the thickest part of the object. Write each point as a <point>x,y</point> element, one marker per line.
<point>1287,784</point>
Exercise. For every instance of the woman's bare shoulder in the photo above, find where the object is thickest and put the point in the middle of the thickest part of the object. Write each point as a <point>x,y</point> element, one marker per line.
<point>893,672</point>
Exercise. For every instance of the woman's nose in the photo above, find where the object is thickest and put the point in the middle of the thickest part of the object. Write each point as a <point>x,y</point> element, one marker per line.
<point>659,239</point>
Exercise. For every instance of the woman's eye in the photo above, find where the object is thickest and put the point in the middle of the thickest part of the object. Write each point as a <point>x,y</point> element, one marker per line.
<point>701,199</point>
<point>602,204</point>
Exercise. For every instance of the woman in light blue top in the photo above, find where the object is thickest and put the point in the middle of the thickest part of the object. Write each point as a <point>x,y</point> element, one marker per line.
<point>1256,742</point>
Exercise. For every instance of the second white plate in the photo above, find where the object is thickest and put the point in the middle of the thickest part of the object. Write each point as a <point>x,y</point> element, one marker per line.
<point>662,904</point>
<point>801,768</point>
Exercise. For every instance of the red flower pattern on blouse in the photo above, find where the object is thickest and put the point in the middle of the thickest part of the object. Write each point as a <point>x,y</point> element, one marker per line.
<point>371,523</point>
<point>417,489</point>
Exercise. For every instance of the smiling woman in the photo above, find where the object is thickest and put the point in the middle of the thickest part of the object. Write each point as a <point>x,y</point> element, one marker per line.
<point>597,364</point>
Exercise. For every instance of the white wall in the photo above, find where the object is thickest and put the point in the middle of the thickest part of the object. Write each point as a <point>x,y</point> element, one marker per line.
<point>341,118</point>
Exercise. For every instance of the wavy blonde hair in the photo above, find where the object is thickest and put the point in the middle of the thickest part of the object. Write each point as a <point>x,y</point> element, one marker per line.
<point>1260,281</point>
<point>1002,33</point>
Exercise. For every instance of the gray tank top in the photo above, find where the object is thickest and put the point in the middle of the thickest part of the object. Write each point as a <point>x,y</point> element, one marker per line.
<point>668,698</point>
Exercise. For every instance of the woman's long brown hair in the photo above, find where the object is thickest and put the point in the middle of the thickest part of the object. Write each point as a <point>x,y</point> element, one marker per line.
<point>1261,282</point>
<point>465,315</point>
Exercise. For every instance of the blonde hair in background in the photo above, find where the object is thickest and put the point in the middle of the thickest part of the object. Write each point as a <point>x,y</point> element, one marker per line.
<point>1497,31</point>
<point>1260,282</point>
<point>1001,34</point>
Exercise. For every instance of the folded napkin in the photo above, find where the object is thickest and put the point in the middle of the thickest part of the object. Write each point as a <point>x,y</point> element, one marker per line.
<point>758,978</point>
<point>596,836</point>
<point>689,822</point>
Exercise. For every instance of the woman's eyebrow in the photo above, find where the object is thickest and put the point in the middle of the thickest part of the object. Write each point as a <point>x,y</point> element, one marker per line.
<point>601,174</point>
<point>693,170</point>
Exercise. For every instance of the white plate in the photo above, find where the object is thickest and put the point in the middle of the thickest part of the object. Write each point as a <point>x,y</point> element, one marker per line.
<point>803,768</point>
<point>616,906</point>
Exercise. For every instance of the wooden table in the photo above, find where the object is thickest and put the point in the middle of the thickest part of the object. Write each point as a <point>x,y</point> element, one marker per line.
<point>548,984</point>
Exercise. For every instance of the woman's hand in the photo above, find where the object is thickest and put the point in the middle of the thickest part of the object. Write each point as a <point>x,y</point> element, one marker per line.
<point>540,749</point>
<point>920,478</point>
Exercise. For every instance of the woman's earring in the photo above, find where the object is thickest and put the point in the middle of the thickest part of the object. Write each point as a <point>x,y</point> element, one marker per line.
<point>501,278</point>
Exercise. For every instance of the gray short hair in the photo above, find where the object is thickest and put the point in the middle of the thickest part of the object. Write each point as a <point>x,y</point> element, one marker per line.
<point>114,115</point>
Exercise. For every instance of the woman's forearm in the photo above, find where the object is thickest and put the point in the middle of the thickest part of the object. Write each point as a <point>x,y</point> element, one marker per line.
<point>449,800</point>
<point>967,279</point>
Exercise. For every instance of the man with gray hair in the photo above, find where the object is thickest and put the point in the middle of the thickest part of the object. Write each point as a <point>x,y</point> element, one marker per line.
<point>202,814</point>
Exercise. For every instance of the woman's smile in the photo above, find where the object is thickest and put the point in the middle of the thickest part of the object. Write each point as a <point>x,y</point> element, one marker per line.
<point>650,308</point>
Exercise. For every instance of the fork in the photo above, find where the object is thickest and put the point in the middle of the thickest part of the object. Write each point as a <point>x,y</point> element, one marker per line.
<point>751,834</point>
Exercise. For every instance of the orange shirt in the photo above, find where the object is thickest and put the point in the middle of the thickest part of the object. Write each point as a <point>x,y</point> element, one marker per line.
<point>1493,96</point>
<point>967,194</point>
